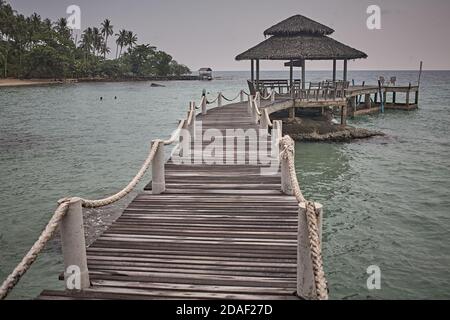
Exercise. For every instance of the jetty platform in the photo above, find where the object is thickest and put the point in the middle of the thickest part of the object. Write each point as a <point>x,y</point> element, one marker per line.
<point>221,227</point>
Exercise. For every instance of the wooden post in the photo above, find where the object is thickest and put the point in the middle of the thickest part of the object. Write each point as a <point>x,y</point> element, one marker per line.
<point>306,287</point>
<point>286,184</point>
<point>257,75</point>
<point>277,134</point>
<point>303,74</point>
<point>394,97</point>
<point>367,102</point>
<point>292,113</point>
<point>345,70</point>
<point>204,106</point>
<point>74,246</point>
<point>241,96</point>
<point>420,73</point>
<point>334,70</point>
<point>272,96</point>
<point>249,105</point>
<point>417,97</point>
<point>219,100</point>
<point>255,114</point>
<point>380,92</point>
<point>291,78</point>
<point>344,115</point>
<point>253,71</point>
<point>263,124</point>
<point>408,94</point>
<point>158,171</point>
<point>192,126</point>
<point>353,102</point>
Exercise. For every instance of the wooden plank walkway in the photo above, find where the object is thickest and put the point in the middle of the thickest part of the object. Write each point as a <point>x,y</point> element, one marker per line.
<point>218,232</point>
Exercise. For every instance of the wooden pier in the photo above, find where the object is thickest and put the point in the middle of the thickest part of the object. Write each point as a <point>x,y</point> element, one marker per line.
<point>199,230</point>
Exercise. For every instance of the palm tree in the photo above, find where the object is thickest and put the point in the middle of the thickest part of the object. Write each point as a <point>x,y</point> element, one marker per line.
<point>97,40</point>
<point>121,41</point>
<point>62,28</point>
<point>86,42</point>
<point>131,39</point>
<point>107,30</point>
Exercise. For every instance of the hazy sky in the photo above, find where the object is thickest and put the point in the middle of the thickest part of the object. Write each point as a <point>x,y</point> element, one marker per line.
<point>212,32</point>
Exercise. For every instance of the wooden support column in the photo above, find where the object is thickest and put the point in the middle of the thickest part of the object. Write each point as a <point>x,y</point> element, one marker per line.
<point>408,95</point>
<point>252,76</point>
<point>334,70</point>
<point>303,74</point>
<point>306,287</point>
<point>291,78</point>
<point>394,97</point>
<point>417,98</point>
<point>74,247</point>
<point>353,101</point>
<point>367,102</point>
<point>344,115</point>
<point>345,70</point>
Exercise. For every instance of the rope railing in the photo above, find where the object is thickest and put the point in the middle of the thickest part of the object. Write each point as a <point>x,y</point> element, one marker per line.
<point>231,100</point>
<point>215,100</point>
<point>321,287</point>
<point>63,205</point>
<point>155,158</point>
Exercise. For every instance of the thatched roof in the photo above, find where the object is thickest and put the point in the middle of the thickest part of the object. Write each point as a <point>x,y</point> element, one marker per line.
<point>298,25</point>
<point>299,47</point>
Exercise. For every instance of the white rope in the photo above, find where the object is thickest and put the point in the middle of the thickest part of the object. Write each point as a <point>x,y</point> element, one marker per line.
<point>287,153</point>
<point>231,100</point>
<point>60,212</point>
<point>37,248</point>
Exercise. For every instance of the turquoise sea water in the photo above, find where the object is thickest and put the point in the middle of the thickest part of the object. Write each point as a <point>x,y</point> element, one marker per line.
<point>386,199</point>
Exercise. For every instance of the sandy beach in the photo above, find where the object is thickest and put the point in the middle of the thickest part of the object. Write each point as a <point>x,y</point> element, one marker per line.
<point>29,82</point>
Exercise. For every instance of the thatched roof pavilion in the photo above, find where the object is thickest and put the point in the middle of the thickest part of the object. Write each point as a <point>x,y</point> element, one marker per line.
<point>298,39</point>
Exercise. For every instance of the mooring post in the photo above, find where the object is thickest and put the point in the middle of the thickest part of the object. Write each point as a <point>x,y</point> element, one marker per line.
<point>306,287</point>
<point>286,183</point>
<point>241,96</point>
<point>277,133</point>
<point>74,247</point>
<point>250,106</point>
<point>158,171</point>
<point>204,105</point>
<point>272,96</point>
<point>219,100</point>
<point>408,95</point>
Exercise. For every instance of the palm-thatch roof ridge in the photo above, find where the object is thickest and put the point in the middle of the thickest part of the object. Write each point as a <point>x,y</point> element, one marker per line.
<point>307,47</point>
<point>298,25</point>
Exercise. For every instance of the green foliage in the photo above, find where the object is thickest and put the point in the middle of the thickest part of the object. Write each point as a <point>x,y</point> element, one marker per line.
<point>32,47</point>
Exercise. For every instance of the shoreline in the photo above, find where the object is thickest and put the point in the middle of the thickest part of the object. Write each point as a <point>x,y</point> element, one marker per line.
<point>14,82</point>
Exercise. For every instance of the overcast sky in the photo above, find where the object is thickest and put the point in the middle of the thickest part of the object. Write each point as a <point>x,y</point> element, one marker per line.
<point>211,33</point>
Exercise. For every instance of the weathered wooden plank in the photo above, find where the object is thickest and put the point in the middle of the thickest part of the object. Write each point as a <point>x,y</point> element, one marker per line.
<point>220,231</point>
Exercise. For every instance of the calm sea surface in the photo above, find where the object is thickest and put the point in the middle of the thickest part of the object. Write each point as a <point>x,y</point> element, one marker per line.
<point>386,200</point>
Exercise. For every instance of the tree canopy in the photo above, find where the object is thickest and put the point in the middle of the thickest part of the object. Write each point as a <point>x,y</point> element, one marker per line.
<point>32,47</point>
